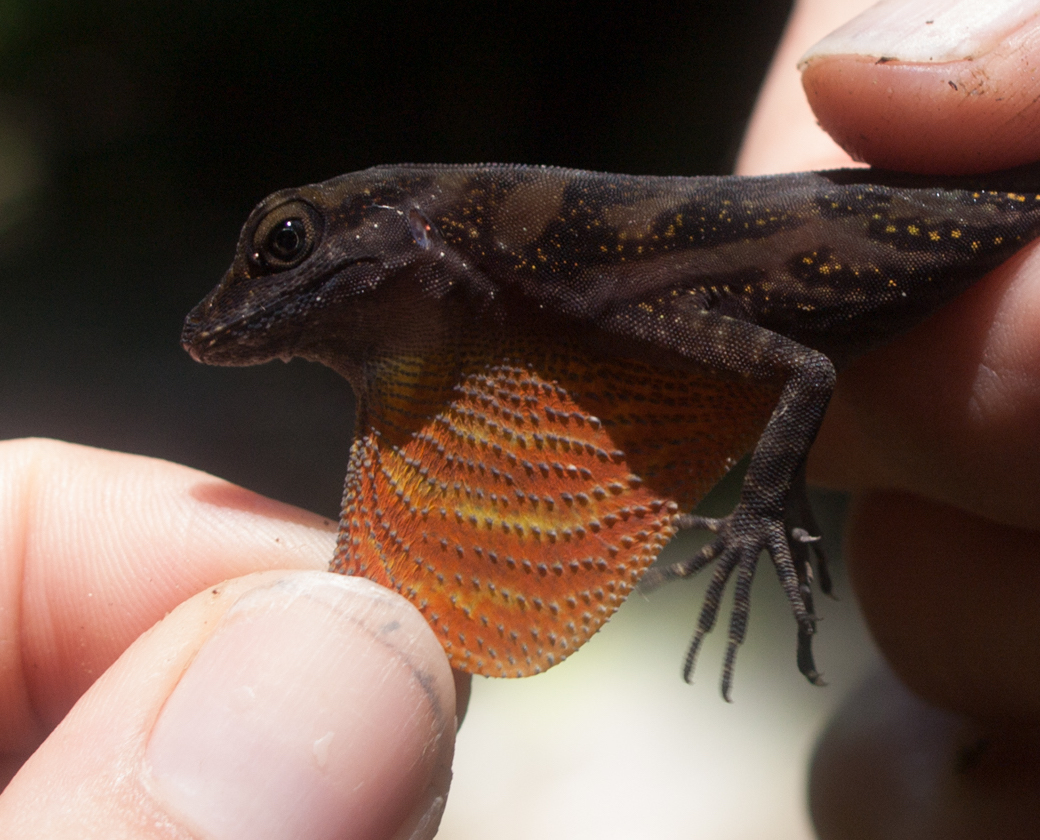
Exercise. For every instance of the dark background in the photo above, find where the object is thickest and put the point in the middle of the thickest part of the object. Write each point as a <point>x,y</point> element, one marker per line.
<point>135,138</point>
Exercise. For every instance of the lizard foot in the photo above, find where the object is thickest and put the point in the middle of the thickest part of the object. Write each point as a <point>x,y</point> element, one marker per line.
<point>739,539</point>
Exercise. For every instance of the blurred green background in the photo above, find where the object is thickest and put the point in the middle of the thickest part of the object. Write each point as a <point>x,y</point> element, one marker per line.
<point>136,136</point>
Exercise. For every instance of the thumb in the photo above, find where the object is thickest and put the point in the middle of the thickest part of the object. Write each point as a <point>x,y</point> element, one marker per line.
<point>278,705</point>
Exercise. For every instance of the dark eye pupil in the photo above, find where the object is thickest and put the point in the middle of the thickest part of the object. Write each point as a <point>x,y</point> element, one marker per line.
<point>288,239</point>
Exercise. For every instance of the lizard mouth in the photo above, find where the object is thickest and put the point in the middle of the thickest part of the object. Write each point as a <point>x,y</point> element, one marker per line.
<point>230,344</point>
<point>226,328</point>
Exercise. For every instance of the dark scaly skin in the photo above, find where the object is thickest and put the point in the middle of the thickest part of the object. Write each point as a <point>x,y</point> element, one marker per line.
<point>553,366</point>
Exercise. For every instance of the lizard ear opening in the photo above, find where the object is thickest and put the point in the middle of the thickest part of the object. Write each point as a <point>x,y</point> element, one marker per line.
<point>286,236</point>
<point>421,227</point>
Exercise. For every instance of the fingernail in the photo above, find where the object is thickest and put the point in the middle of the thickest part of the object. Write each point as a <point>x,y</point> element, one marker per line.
<point>926,30</point>
<point>311,711</point>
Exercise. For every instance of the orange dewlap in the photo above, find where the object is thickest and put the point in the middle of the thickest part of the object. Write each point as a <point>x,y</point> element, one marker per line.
<point>516,495</point>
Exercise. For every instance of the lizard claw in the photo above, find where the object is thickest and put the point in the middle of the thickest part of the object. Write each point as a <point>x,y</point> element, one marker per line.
<point>805,659</point>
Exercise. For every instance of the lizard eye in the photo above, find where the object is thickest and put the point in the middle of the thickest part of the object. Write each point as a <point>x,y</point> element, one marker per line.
<point>287,240</point>
<point>286,236</point>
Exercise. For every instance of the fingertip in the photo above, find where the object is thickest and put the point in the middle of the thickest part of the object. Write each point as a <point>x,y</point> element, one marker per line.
<point>918,88</point>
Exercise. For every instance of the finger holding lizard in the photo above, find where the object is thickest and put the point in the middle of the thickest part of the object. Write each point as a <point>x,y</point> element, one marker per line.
<point>277,701</point>
<point>958,426</point>
<point>934,433</point>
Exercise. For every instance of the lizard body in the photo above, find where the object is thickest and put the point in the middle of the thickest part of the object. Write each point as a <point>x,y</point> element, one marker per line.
<point>553,366</point>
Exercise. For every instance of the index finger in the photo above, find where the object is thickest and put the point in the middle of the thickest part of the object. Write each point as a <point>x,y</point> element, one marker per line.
<point>97,546</point>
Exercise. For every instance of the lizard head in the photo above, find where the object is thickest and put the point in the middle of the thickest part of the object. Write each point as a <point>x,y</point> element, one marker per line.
<point>328,272</point>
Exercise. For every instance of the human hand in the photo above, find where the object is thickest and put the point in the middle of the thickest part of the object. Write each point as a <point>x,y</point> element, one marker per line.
<point>935,434</point>
<point>279,701</point>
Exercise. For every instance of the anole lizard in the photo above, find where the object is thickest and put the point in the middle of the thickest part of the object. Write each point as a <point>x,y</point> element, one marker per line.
<point>553,366</point>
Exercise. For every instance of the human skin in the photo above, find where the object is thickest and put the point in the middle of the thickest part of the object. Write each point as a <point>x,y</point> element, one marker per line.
<point>935,437</point>
<point>279,701</point>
